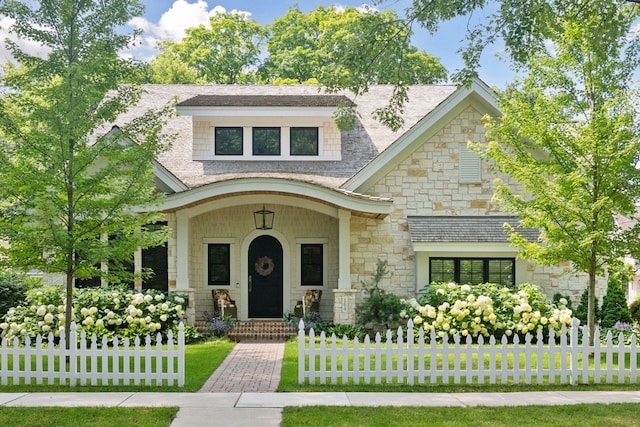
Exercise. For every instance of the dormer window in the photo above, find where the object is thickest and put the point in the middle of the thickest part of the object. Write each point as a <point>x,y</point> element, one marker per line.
<point>228,141</point>
<point>265,127</point>
<point>266,141</point>
<point>304,141</point>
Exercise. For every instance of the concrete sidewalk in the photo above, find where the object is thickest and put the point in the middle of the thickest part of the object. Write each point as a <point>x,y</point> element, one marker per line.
<point>241,393</point>
<point>265,409</point>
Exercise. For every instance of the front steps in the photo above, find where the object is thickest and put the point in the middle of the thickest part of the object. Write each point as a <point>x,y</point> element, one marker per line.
<point>256,330</point>
<point>262,330</point>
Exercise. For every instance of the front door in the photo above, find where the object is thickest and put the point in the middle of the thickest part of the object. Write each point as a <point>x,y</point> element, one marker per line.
<point>265,278</point>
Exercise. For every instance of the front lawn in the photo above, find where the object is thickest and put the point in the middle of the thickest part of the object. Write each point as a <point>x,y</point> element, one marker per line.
<point>596,415</point>
<point>289,382</point>
<point>94,417</point>
<point>201,360</point>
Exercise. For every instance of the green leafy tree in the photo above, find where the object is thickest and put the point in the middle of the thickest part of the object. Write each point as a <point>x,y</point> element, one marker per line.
<point>614,303</point>
<point>569,138</point>
<point>350,49</point>
<point>525,27</point>
<point>168,68</point>
<point>226,52</point>
<point>69,189</point>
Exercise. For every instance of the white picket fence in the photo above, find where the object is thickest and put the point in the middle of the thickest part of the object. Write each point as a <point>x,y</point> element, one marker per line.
<point>416,360</point>
<point>42,361</point>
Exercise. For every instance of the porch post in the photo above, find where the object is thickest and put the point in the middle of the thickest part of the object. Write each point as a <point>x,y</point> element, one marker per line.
<point>182,265</point>
<point>344,297</point>
<point>344,249</point>
<point>182,251</point>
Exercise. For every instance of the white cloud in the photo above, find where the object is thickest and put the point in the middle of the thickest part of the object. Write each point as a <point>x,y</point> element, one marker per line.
<point>27,46</point>
<point>172,25</point>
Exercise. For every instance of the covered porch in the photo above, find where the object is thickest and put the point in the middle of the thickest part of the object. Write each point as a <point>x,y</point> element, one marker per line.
<point>217,244</point>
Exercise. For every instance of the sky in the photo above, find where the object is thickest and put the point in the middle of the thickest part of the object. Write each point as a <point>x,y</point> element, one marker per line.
<point>167,20</point>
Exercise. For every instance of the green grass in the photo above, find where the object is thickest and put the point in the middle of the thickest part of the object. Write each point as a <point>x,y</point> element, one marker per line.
<point>289,382</point>
<point>94,417</point>
<point>200,361</point>
<point>597,415</point>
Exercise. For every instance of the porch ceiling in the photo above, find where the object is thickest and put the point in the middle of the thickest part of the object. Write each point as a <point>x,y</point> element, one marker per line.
<point>358,204</point>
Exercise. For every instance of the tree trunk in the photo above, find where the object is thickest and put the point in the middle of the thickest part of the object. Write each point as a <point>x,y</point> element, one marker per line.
<point>68,309</point>
<point>591,308</point>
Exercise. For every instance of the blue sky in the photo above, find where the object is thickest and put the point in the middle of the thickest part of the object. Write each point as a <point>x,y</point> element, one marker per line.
<point>164,19</point>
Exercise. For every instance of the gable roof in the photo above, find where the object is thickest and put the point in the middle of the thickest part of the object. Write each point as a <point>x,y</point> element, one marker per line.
<point>266,101</point>
<point>477,94</point>
<point>465,229</point>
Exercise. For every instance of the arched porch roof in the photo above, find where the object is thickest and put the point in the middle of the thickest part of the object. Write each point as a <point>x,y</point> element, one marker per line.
<point>240,191</point>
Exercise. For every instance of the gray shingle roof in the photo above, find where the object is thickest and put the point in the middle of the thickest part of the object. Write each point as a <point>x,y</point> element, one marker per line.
<point>451,229</point>
<point>266,101</point>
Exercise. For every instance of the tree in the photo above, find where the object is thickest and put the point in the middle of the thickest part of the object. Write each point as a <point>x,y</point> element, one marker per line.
<point>337,49</point>
<point>168,68</point>
<point>69,189</point>
<point>226,52</point>
<point>525,27</point>
<point>349,49</point>
<point>569,137</point>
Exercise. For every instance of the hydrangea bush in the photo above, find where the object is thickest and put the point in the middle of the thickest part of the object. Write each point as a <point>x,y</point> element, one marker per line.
<point>485,309</point>
<point>115,311</point>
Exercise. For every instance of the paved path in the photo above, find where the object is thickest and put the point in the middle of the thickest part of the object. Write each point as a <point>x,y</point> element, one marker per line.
<point>252,366</point>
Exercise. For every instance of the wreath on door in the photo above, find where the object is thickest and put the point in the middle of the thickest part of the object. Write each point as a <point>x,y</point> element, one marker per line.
<point>264,266</point>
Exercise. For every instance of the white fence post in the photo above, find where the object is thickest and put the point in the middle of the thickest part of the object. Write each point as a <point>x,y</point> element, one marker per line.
<point>301,352</point>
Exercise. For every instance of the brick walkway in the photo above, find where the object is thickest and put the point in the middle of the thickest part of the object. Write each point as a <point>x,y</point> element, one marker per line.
<point>252,366</point>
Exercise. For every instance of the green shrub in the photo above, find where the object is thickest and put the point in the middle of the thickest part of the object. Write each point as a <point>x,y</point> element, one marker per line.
<point>614,304</point>
<point>351,331</point>
<point>557,297</point>
<point>583,308</point>
<point>634,309</point>
<point>379,307</point>
<point>13,290</point>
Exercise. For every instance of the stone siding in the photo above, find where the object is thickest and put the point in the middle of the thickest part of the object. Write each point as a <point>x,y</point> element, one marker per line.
<point>427,183</point>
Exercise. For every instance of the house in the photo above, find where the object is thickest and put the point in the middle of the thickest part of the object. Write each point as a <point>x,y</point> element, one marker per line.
<point>268,199</point>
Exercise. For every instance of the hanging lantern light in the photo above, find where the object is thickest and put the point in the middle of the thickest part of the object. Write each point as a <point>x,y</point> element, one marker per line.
<point>263,219</point>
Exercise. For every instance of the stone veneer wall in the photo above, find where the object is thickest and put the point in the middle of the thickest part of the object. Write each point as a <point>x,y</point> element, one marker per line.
<point>236,223</point>
<point>426,183</point>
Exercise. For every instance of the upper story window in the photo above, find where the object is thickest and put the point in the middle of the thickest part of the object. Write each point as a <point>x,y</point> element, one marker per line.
<point>304,141</point>
<point>228,141</point>
<point>266,141</point>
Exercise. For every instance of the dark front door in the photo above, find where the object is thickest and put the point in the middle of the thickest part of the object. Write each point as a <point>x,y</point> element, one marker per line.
<point>265,278</point>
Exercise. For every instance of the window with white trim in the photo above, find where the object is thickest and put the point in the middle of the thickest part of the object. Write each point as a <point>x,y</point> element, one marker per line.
<point>304,141</point>
<point>312,264</point>
<point>228,141</point>
<point>218,264</point>
<point>473,270</point>
<point>266,141</point>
